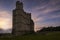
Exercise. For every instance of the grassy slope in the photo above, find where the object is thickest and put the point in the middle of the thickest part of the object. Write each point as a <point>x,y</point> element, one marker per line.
<point>48,36</point>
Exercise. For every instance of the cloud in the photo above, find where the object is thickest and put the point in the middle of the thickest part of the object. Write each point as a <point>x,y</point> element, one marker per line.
<point>5,14</point>
<point>46,9</point>
<point>45,12</point>
<point>5,20</point>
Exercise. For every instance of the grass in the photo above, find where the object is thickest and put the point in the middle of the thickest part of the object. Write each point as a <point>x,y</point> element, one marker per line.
<point>48,36</point>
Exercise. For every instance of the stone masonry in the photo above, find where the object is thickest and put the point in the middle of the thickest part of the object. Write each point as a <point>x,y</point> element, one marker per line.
<point>22,22</point>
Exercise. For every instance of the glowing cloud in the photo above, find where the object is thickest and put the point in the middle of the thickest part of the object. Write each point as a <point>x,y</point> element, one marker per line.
<point>5,20</point>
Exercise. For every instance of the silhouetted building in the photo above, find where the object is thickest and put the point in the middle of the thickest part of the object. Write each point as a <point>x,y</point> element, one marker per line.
<point>22,22</point>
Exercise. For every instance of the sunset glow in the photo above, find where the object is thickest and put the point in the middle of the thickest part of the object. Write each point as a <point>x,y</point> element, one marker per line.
<point>4,24</point>
<point>44,12</point>
<point>5,20</point>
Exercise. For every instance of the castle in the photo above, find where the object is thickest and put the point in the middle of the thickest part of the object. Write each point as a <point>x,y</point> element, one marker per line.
<point>22,22</point>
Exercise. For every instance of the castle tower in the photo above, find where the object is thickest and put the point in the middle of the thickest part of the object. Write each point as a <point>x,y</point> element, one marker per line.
<point>22,22</point>
<point>19,5</point>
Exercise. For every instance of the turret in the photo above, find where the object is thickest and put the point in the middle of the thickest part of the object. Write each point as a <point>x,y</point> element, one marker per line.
<point>19,5</point>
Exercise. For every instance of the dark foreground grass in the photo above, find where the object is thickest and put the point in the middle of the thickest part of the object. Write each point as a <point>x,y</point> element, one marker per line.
<point>48,36</point>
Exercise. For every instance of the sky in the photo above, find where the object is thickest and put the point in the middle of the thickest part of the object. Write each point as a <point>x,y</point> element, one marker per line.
<point>44,13</point>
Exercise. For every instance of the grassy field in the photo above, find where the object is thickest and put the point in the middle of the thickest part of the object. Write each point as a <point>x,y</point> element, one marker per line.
<point>48,36</point>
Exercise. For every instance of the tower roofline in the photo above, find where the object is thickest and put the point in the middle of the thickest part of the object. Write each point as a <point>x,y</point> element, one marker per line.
<point>19,5</point>
<point>18,2</point>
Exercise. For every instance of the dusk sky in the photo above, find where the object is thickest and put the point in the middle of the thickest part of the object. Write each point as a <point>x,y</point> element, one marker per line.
<point>44,12</point>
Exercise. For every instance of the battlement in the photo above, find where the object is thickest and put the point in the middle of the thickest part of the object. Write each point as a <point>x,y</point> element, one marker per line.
<point>19,5</point>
